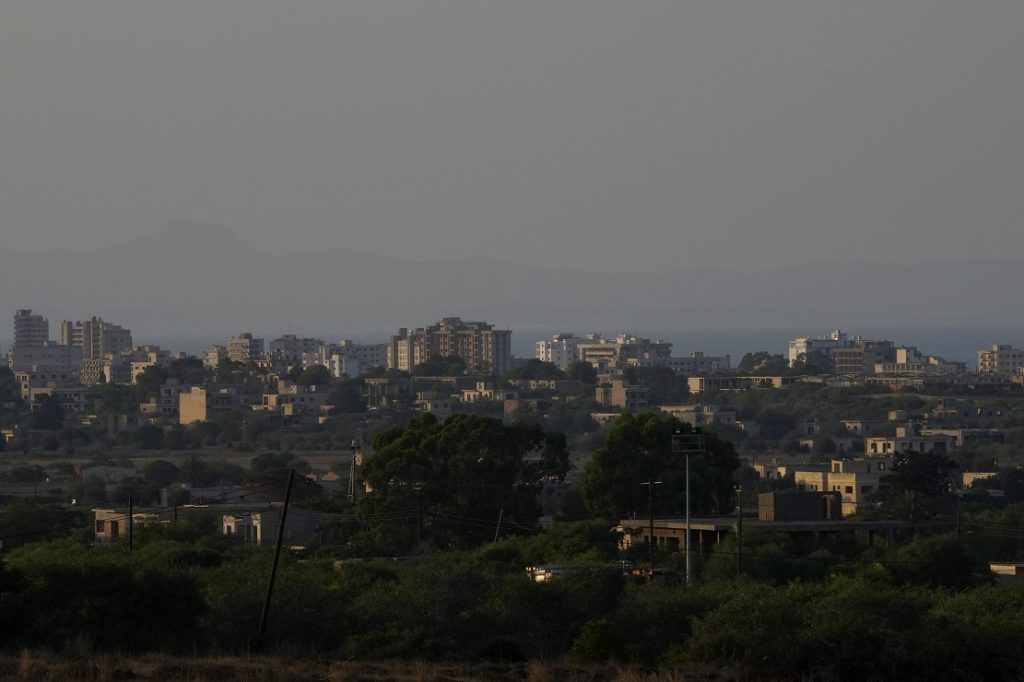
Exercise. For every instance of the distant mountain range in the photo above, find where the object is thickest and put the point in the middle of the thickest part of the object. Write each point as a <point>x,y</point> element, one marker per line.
<point>190,280</point>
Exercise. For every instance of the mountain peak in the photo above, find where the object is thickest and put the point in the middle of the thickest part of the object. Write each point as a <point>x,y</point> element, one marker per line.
<point>188,235</point>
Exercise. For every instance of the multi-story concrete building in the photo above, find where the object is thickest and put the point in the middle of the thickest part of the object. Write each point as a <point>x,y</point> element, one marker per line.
<point>804,346</point>
<point>909,438</point>
<point>861,356</point>
<point>698,363</point>
<point>351,359</point>
<point>368,354</point>
<point>626,350</point>
<point>290,350</point>
<point>478,344</point>
<point>737,383</point>
<point>618,392</point>
<point>32,346</point>
<point>64,386</point>
<point>30,329</point>
<point>559,351</point>
<point>701,415</point>
<point>50,355</point>
<point>858,481</point>
<point>214,354</point>
<point>144,357</point>
<point>485,391</point>
<point>293,402</point>
<point>96,338</point>
<point>167,401</point>
<point>1002,360</point>
<point>245,348</point>
<point>200,403</point>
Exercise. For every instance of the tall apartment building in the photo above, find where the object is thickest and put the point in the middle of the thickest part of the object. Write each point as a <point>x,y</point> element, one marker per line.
<point>291,349</point>
<point>245,348</point>
<point>96,338</point>
<point>849,355</point>
<point>559,351</point>
<point>804,345</point>
<point>624,351</point>
<point>30,329</point>
<point>1002,360</point>
<point>32,347</point>
<point>861,356</point>
<point>213,355</point>
<point>478,344</point>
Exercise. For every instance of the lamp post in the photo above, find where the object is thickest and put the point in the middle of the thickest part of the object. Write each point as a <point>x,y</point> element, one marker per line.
<point>688,442</point>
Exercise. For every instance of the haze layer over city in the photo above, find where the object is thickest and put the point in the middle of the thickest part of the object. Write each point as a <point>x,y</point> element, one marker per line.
<point>535,340</point>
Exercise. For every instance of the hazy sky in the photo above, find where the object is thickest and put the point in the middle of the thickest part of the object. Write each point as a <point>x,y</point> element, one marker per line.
<point>600,134</point>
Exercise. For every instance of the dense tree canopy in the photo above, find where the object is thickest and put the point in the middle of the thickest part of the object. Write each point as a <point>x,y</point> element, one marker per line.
<point>536,369</point>
<point>437,366</point>
<point>459,477</point>
<point>638,449</point>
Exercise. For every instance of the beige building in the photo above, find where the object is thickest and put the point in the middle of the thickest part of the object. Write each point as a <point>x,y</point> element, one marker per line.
<point>743,383</point>
<point>618,392</point>
<point>485,391</point>
<point>213,355</point>
<point>559,351</point>
<point>245,348</point>
<point>292,401</point>
<point>200,404</point>
<point>30,329</point>
<point>858,481</point>
<point>438,405</point>
<point>626,350</point>
<point>478,344</point>
<point>909,439</point>
<point>61,358</point>
<point>1002,360</point>
<point>701,415</point>
<point>96,338</point>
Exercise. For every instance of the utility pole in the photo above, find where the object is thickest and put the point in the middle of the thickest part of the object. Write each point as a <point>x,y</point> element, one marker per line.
<point>131,522</point>
<point>419,515</point>
<point>352,471</point>
<point>277,555</point>
<point>739,529</point>
<point>497,529</point>
<point>650,520</point>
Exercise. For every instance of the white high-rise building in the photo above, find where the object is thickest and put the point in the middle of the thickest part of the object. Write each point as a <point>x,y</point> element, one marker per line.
<point>559,351</point>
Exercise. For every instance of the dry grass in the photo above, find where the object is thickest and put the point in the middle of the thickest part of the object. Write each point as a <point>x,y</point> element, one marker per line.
<point>40,666</point>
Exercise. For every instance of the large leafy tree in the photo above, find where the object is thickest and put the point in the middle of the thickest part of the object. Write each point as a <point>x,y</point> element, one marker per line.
<point>448,484</point>
<point>638,449</point>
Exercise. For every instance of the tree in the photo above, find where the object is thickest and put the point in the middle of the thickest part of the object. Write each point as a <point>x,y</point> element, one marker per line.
<point>460,476</point>
<point>347,397</point>
<point>536,369</point>
<point>927,474</point>
<point>316,375</point>
<point>775,425</point>
<point>583,372</point>
<point>638,449</point>
<point>763,362</point>
<point>815,362</point>
<point>438,366</point>
<point>162,473</point>
<point>148,383</point>
<point>47,413</point>
<point>113,399</point>
<point>149,437</point>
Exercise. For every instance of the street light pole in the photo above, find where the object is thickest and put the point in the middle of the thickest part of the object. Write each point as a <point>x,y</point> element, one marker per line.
<point>687,443</point>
